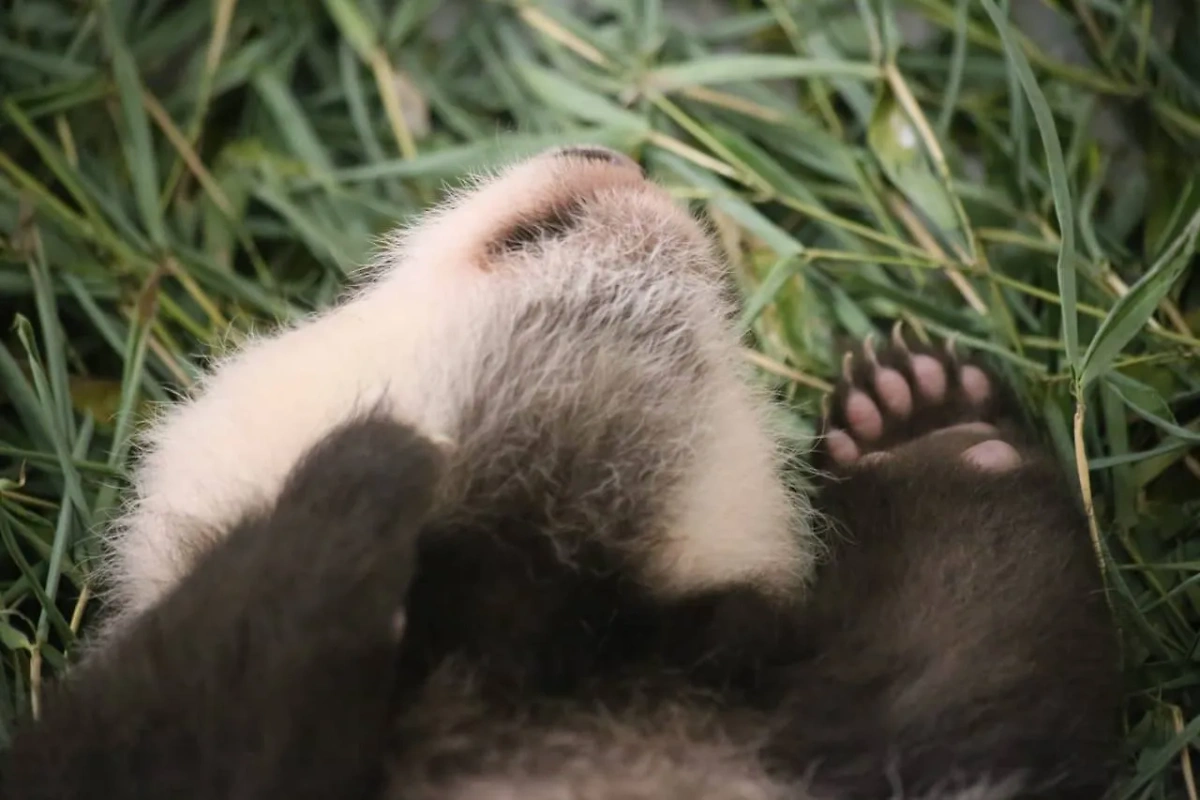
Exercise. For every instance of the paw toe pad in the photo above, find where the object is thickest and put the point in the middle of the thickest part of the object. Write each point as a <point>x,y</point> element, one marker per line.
<point>992,456</point>
<point>889,399</point>
<point>863,416</point>
<point>893,391</point>
<point>930,377</point>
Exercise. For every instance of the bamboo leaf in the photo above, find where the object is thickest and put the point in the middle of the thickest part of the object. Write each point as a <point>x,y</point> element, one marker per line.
<point>1059,183</point>
<point>1130,313</point>
<point>733,68</point>
<point>138,145</point>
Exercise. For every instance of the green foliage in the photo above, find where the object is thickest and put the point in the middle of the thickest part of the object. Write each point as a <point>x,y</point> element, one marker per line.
<point>173,173</point>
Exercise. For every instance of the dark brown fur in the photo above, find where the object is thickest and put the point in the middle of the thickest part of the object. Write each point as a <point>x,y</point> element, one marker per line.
<point>960,627</point>
<point>956,638</point>
<point>265,674</point>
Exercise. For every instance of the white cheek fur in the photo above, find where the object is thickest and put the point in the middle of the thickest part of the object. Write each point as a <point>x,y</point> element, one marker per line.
<point>227,451</point>
<point>419,336</point>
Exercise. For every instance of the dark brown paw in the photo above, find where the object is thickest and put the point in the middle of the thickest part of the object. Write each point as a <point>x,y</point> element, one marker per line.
<point>892,397</point>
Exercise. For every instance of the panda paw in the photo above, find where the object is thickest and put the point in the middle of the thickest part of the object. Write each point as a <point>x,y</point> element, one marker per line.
<point>894,399</point>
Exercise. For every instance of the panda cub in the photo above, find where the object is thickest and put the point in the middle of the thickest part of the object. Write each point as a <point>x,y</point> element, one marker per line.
<point>511,522</point>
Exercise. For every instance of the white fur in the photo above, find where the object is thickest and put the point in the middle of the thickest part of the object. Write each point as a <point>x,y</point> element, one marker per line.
<point>420,335</point>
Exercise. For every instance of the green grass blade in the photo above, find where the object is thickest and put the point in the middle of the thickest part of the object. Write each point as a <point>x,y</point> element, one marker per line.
<point>712,70</point>
<point>1059,183</point>
<point>1130,313</point>
<point>138,145</point>
<point>1148,405</point>
<point>779,274</point>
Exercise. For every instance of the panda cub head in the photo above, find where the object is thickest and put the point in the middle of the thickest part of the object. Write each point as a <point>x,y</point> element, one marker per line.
<point>562,324</point>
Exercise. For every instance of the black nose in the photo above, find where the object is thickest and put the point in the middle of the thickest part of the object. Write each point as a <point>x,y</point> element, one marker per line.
<point>596,153</point>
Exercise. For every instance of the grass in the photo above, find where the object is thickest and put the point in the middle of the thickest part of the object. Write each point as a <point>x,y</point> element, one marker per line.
<point>174,173</point>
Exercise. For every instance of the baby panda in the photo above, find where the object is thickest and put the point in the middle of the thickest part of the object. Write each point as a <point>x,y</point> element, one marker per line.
<point>564,327</point>
<point>532,538</point>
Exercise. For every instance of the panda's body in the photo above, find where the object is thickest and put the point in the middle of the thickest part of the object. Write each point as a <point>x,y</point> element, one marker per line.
<point>613,594</point>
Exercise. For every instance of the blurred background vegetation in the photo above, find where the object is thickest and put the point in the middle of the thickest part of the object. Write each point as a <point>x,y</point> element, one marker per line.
<point>1020,173</point>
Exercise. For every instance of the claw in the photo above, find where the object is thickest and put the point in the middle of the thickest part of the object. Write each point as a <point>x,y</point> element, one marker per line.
<point>869,349</point>
<point>952,348</point>
<point>848,367</point>
<point>898,337</point>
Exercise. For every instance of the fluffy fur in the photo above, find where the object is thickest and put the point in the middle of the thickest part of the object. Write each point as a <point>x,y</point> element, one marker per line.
<point>520,322</point>
<point>602,577</point>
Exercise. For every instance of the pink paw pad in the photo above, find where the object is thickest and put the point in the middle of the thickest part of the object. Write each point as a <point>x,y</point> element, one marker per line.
<point>992,456</point>
<point>841,447</point>
<point>975,384</point>
<point>865,420</point>
<point>893,391</point>
<point>930,377</point>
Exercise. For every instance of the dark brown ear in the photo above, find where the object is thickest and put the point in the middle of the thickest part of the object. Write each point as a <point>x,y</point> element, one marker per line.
<point>268,671</point>
<point>597,153</point>
<point>551,212</point>
<point>549,223</point>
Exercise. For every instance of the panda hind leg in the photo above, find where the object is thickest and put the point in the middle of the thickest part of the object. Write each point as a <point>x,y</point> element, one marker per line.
<point>961,615</point>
